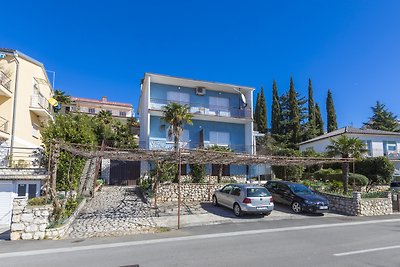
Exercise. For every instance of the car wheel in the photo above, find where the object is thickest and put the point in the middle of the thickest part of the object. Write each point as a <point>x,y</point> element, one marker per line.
<point>237,210</point>
<point>266,213</point>
<point>296,207</point>
<point>214,201</point>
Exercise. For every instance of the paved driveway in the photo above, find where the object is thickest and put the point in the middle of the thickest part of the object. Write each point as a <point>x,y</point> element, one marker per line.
<point>114,211</point>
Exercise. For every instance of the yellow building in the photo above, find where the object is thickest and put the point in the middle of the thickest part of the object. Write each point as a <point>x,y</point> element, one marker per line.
<point>24,93</point>
<point>24,108</point>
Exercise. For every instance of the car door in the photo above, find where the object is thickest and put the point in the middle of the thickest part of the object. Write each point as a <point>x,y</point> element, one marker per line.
<point>233,196</point>
<point>286,194</point>
<point>224,195</point>
<point>272,188</point>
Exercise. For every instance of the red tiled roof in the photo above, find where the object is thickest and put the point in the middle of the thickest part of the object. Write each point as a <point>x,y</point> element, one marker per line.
<point>101,102</point>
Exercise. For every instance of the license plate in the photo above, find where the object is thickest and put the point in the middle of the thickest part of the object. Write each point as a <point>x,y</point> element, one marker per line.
<point>323,207</point>
<point>262,208</point>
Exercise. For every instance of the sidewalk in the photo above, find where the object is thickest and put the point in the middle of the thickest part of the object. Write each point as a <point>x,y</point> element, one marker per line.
<point>197,214</point>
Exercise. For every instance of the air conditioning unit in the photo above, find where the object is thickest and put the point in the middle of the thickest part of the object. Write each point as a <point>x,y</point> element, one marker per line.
<point>200,91</point>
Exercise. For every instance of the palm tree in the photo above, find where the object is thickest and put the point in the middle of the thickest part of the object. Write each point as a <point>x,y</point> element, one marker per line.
<point>346,147</point>
<point>61,97</point>
<point>220,166</point>
<point>176,115</point>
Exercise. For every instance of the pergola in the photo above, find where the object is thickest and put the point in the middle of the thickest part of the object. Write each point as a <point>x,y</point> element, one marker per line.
<point>193,156</point>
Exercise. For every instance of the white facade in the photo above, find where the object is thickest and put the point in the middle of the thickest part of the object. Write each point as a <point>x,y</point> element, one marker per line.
<point>378,143</point>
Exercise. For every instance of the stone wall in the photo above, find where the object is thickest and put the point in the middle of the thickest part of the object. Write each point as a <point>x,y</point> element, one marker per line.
<point>189,192</point>
<point>214,179</point>
<point>357,206</point>
<point>31,222</point>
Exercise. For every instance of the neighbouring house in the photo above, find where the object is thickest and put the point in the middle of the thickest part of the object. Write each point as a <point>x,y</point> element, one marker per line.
<point>378,143</point>
<point>222,115</point>
<point>93,106</point>
<point>25,91</point>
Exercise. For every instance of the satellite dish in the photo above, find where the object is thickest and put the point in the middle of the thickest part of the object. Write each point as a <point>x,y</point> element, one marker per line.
<point>243,99</point>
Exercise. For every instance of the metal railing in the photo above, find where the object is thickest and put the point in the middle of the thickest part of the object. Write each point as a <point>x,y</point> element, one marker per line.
<point>157,144</point>
<point>395,156</point>
<point>205,109</point>
<point>3,125</point>
<point>21,157</point>
<point>39,101</point>
<point>5,81</point>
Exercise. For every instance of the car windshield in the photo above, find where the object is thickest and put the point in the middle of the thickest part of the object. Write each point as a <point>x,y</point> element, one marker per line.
<point>301,189</point>
<point>257,192</point>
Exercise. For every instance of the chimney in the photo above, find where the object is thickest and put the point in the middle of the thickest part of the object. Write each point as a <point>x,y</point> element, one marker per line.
<point>103,99</point>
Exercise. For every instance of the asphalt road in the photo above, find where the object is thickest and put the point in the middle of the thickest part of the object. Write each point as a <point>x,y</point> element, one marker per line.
<point>342,241</point>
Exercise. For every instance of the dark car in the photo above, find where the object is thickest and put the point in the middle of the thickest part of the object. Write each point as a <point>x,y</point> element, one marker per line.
<point>298,196</point>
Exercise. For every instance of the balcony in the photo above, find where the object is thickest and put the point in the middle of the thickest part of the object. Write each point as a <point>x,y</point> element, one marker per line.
<point>4,132</point>
<point>205,109</point>
<point>393,156</point>
<point>5,85</point>
<point>40,106</point>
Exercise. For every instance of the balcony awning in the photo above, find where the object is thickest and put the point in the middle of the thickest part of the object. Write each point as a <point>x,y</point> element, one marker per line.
<point>41,81</point>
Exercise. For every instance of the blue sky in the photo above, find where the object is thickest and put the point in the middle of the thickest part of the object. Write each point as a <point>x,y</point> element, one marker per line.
<point>351,47</point>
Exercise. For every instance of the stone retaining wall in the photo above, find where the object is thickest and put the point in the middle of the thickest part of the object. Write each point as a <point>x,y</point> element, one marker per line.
<point>189,192</point>
<point>31,222</point>
<point>214,179</point>
<point>357,206</point>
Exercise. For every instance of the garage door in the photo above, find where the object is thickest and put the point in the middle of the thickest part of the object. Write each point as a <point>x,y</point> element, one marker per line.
<point>5,202</point>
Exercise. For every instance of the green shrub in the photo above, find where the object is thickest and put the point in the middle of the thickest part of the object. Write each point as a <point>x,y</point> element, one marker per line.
<point>381,194</point>
<point>335,186</point>
<point>37,201</point>
<point>197,171</point>
<point>379,170</point>
<point>336,175</point>
<point>70,207</point>
<point>99,182</point>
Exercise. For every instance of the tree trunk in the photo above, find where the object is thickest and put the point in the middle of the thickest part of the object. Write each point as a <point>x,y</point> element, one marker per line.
<point>220,169</point>
<point>345,176</point>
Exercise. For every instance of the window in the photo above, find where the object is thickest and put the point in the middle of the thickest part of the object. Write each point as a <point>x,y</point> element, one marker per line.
<point>178,97</point>
<point>215,170</point>
<point>67,109</point>
<point>35,130</point>
<point>391,146</point>
<point>227,189</point>
<point>219,106</point>
<point>236,191</point>
<point>92,110</point>
<point>219,138</point>
<point>31,190</point>
<point>22,190</point>
<point>122,113</point>
<point>184,169</point>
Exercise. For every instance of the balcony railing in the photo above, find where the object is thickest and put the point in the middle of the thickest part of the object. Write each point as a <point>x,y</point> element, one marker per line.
<point>394,156</point>
<point>21,157</point>
<point>163,144</point>
<point>38,101</point>
<point>205,109</point>
<point>5,81</point>
<point>3,125</point>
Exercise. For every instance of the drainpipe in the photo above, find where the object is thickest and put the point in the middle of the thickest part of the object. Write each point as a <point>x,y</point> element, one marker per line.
<point>14,108</point>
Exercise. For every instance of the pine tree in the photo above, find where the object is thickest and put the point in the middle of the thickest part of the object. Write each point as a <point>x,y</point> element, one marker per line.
<point>262,113</point>
<point>257,111</point>
<point>294,115</point>
<point>331,114</point>
<point>382,119</point>
<point>276,111</point>
<point>319,123</point>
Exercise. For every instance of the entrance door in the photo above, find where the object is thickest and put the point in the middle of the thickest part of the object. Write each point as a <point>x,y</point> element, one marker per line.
<point>124,172</point>
<point>5,202</point>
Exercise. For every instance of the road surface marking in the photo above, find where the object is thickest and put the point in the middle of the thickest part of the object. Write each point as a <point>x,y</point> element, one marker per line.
<point>186,238</point>
<point>364,251</point>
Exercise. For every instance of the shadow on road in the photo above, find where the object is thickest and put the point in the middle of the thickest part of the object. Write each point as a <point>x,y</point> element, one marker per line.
<point>225,212</point>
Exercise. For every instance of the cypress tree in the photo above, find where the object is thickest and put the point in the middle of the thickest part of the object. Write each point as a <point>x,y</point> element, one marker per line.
<point>319,123</point>
<point>276,111</point>
<point>311,106</point>
<point>294,115</point>
<point>262,113</point>
<point>331,114</point>
<point>257,111</point>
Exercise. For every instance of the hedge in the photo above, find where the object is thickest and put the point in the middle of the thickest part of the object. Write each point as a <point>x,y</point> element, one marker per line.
<point>336,175</point>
